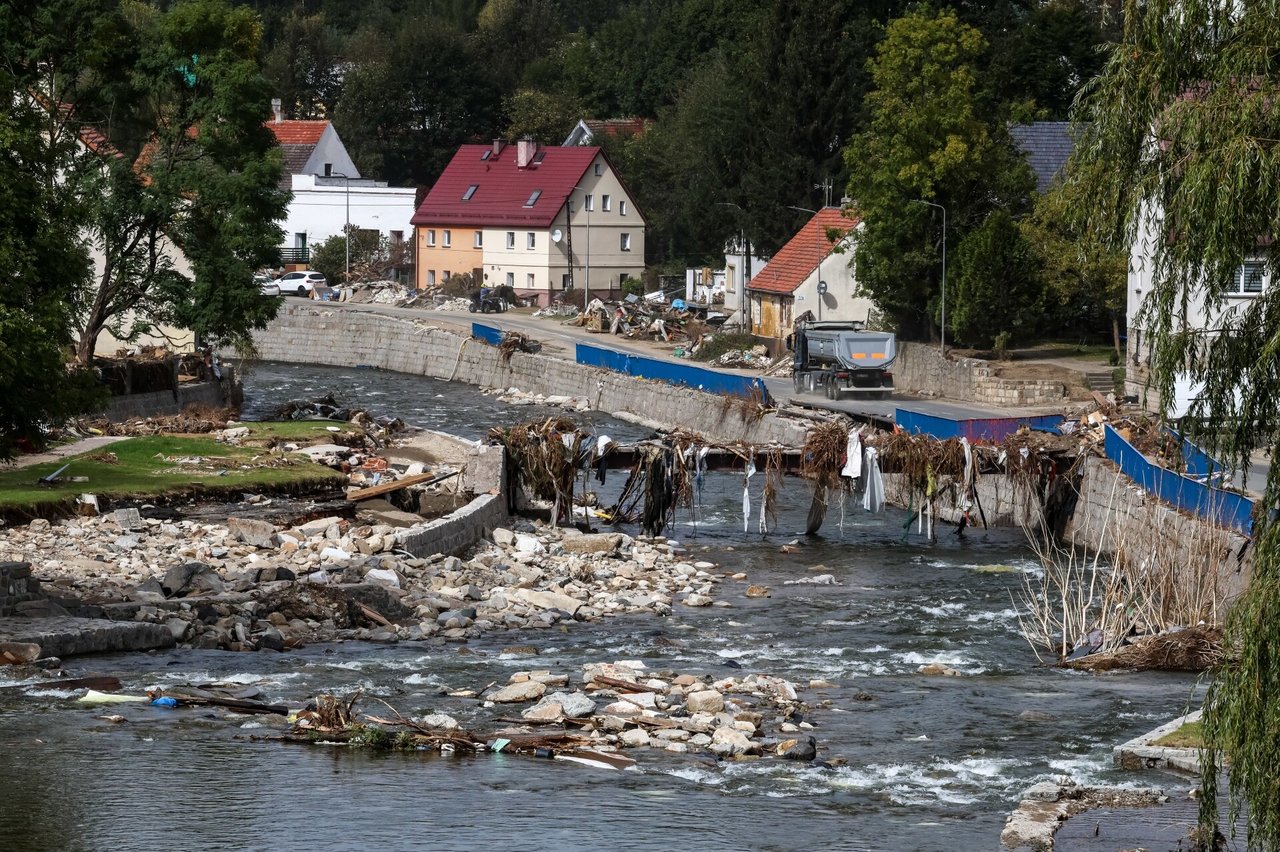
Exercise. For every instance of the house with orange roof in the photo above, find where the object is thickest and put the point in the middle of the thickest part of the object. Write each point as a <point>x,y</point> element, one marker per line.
<point>811,275</point>
<point>588,130</point>
<point>538,219</point>
<point>329,193</point>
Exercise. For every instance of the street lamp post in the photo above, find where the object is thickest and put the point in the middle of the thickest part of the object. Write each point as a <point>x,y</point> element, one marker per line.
<point>346,182</point>
<point>746,260</point>
<point>821,286</point>
<point>944,268</point>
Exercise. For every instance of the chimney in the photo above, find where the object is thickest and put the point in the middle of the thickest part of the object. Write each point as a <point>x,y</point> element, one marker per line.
<point>277,109</point>
<point>497,147</point>
<point>525,150</point>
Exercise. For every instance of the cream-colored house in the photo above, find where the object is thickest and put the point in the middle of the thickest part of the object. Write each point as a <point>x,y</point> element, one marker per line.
<point>537,219</point>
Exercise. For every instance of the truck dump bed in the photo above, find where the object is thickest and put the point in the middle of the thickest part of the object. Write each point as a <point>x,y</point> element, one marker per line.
<point>853,350</point>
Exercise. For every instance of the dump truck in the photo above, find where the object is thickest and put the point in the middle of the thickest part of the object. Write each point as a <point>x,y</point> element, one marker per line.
<point>835,358</point>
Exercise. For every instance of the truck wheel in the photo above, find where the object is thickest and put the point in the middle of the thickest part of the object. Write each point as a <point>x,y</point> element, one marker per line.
<point>808,382</point>
<point>797,381</point>
<point>832,391</point>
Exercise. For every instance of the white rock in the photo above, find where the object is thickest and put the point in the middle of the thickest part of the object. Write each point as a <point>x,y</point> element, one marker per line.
<point>504,537</point>
<point>383,576</point>
<point>696,600</point>
<point>635,737</point>
<point>730,741</point>
<point>705,701</point>
<point>529,690</point>
<point>336,554</point>
<point>438,720</point>
<point>529,544</point>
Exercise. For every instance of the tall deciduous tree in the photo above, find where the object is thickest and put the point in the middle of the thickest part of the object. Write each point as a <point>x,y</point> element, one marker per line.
<point>191,174</point>
<point>411,99</point>
<point>304,65</point>
<point>1180,140</point>
<point>996,294</point>
<point>929,139</point>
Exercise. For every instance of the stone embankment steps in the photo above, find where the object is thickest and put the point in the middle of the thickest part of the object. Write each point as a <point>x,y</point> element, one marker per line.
<point>1101,381</point>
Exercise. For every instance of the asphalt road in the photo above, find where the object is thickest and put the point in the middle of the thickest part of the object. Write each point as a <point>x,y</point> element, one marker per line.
<point>558,338</point>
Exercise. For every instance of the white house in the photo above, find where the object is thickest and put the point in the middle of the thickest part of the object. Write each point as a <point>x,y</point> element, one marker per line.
<point>812,274</point>
<point>1250,280</point>
<point>328,191</point>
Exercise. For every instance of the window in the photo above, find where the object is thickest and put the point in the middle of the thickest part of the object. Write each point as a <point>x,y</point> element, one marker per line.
<point>397,237</point>
<point>540,156</point>
<point>565,281</point>
<point>431,236</point>
<point>533,198</point>
<point>479,240</point>
<point>622,279</point>
<point>624,242</point>
<point>605,203</point>
<point>599,169</point>
<point>431,278</point>
<point>531,240</point>
<point>1247,280</point>
<point>488,152</point>
<point>328,169</point>
<point>471,190</point>
<point>589,203</point>
<point>448,238</point>
<point>511,279</point>
<point>622,208</point>
<point>447,275</point>
<point>511,239</point>
<point>528,281</point>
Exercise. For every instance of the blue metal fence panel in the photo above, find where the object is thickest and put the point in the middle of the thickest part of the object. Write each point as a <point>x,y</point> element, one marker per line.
<point>1223,507</point>
<point>975,429</point>
<point>699,378</point>
<point>487,333</point>
<point>1199,463</point>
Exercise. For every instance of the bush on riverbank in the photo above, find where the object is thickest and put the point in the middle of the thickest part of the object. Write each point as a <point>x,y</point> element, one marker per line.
<point>720,343</point>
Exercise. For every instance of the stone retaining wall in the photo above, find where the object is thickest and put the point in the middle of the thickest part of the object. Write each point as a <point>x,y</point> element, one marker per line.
<point>920,368</point>
<point>1115,514</point>
<point>460,529</point>
<point>17,586</point>
<point>302,333</point>
<point>212,394</point>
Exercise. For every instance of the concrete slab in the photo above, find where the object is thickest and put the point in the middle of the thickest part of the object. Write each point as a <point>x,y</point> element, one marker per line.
<point>66,636</point>
<point>1139,753</point>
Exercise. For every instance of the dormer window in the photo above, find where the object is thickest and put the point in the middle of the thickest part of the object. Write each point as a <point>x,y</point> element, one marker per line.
<point>471,190</point>
<point>533,198</point>
<point>328,169</point>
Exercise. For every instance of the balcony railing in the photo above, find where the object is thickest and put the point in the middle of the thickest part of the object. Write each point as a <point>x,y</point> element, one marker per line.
<point>295,255</point>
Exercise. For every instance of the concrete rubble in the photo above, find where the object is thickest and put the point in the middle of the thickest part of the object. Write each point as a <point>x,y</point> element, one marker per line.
<point>245,584</point>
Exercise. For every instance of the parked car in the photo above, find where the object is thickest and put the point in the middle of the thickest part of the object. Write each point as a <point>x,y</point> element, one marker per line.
<point>266,285</point>
<point>301,283</point>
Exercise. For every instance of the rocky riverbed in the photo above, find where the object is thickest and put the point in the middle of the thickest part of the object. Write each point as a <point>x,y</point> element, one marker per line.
<point>246,584</point>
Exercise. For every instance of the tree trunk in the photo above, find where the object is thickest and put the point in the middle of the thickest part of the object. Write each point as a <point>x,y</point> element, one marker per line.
<point>1115,335</point>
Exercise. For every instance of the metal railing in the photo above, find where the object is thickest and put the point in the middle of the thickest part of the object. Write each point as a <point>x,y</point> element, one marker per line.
<point>295,255</point>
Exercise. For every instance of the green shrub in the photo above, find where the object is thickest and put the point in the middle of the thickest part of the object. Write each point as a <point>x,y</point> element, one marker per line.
<point>716,345</point>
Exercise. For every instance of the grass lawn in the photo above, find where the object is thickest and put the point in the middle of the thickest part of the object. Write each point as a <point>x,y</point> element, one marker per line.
<point>156,466</point>
<point>1190,735</point>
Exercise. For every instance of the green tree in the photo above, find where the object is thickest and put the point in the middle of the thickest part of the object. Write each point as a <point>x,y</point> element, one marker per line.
<point>996,289</point>
<point>194,176</point>
<point>373,257</point>
<point>413,98</point>
<point>303,65</point>
<point>512,34</point>
<point>929,139</point>
<point>1084,279</point>
<point>1180,150</point>
<point>545,117</point>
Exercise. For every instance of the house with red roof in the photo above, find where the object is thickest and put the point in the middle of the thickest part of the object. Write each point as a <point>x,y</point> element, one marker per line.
<point>538,219</point>
<point>811,275</point>
<point>328,192</point>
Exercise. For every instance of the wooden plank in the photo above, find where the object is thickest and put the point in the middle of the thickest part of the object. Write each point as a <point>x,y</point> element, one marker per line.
<point>389,487</point>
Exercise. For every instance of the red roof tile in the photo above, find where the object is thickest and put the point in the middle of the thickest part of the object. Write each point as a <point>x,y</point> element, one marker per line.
<point>796,260</point>
<point>502,189</point>
<point>615,127</point>
<point>298,132</point>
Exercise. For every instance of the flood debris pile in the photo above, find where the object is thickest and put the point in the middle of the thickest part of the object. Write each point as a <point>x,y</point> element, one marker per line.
<point>192,420</point>
<point>643,319</point>
<point>613,707</point>
<point>248,584</point>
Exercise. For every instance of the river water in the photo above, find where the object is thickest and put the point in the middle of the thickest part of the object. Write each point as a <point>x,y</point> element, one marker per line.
<point>922,762</point>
